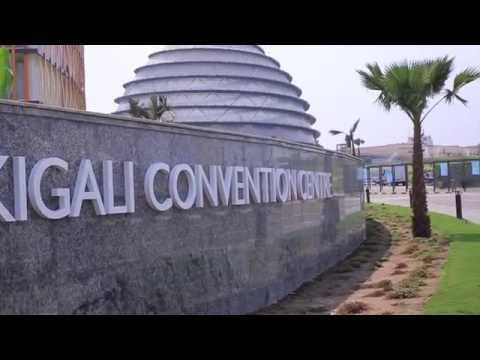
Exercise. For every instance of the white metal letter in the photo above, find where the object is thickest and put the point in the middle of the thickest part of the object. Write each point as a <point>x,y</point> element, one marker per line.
<point>273,186</point>
<point>238,185</point>
<point>282,185</point>
<point>317,180</point>
<point>86,179</point>
<point>328,185</point>
<point>301,185</point>
<point>293,184</point>
<point>225,184</point>
<point>252,186</point>
<point>20,186</point>
<point>109,191</point>
<point>264,183</point>
<point>310,186</point>
<point>149,190</point>
<point>4,213</point>
<point>129,186</point>
<point>173,186</point>
<point>204,185</point>
<point>35,194</point>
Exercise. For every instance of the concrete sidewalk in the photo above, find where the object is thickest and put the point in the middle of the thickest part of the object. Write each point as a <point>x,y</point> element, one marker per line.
<point>441,202</point>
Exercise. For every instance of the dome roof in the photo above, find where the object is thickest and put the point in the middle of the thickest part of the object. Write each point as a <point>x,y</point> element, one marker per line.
<point>228,87</point>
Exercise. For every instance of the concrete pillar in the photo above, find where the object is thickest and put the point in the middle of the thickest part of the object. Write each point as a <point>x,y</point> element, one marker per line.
<point>406,177</point>
<point>369,179</point>
<point>449,178</point>
<point>380,177</point>
<point>393,179</point>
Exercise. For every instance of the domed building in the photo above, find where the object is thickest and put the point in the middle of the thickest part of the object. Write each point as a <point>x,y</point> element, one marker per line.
<point>227,87</point>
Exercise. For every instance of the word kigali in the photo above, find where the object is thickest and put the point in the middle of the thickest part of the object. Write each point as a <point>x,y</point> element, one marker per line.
<point>217,185</point>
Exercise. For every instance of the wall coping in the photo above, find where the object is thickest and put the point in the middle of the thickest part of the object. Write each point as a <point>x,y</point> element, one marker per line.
<point>40,110</point>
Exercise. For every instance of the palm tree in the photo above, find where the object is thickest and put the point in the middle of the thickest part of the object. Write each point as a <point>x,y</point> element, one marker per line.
<point>358,142</point>
<point>349,137</point>
<point>410,86</point>
<point>157,108</point>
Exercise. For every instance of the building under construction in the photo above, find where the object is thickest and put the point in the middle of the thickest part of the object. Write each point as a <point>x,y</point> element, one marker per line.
<point>49,74</point>
<point>403,152</point>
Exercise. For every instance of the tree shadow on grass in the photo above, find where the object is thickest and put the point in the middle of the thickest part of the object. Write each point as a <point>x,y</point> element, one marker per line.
<point>466,237</point>
<point>327,291</point>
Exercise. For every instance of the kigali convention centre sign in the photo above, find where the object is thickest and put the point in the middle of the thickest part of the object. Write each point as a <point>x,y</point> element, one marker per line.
<point>217,185</point>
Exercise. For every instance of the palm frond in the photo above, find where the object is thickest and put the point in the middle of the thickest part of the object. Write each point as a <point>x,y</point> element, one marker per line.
<point>163,102</point>
<point>438,73</point>
<point>348,141</point>
<point>372,80</point>
<point>375,70</point>
<point>335,132</point>
<point>384,100</point>
<point>410,85</point>
<point>136,110</point>
<point>462,100</point>
<point>154,106</point>
<point>449,95</point>
<point>354,127</point>
<point>465,77</point>
<point>403,86</point>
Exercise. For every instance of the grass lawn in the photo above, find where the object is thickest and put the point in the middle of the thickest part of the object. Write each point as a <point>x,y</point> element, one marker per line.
<point>459,290</point>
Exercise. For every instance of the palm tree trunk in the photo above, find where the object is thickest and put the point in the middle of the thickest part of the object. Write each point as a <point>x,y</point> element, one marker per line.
<point>421,221</point>
<point>352,143</point>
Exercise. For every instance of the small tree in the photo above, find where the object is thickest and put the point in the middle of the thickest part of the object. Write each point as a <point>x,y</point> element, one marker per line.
<point>6,73</point>
<point>156,109</point>
<point>410,86</point>
<point>349,136</point>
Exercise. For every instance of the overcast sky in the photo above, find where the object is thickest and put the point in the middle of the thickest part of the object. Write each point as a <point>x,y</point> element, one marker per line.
<point>327,76</point>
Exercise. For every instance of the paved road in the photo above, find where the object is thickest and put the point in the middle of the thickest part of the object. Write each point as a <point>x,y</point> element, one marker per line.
<point>442,203</point>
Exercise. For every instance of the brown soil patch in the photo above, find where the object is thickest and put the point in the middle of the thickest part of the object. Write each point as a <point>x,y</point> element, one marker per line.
<point>386,285</point>
<point>391,273</point>
<point>355,307</point>
<point>376,293</point>
<point>411,249</point>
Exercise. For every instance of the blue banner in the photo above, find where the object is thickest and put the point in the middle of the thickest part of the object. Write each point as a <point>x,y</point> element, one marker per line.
<point>443,169</point>
<point>387,176</point>
<point>476,167</point>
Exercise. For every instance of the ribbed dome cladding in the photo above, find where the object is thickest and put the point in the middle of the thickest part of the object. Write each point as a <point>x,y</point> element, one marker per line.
<point>229,87</point>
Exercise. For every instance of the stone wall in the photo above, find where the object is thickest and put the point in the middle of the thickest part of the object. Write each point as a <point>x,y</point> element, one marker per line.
<point>223,260</point>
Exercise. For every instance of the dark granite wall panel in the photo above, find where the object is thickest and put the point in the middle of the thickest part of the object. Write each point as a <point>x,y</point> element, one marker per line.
<point>227,260</point>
